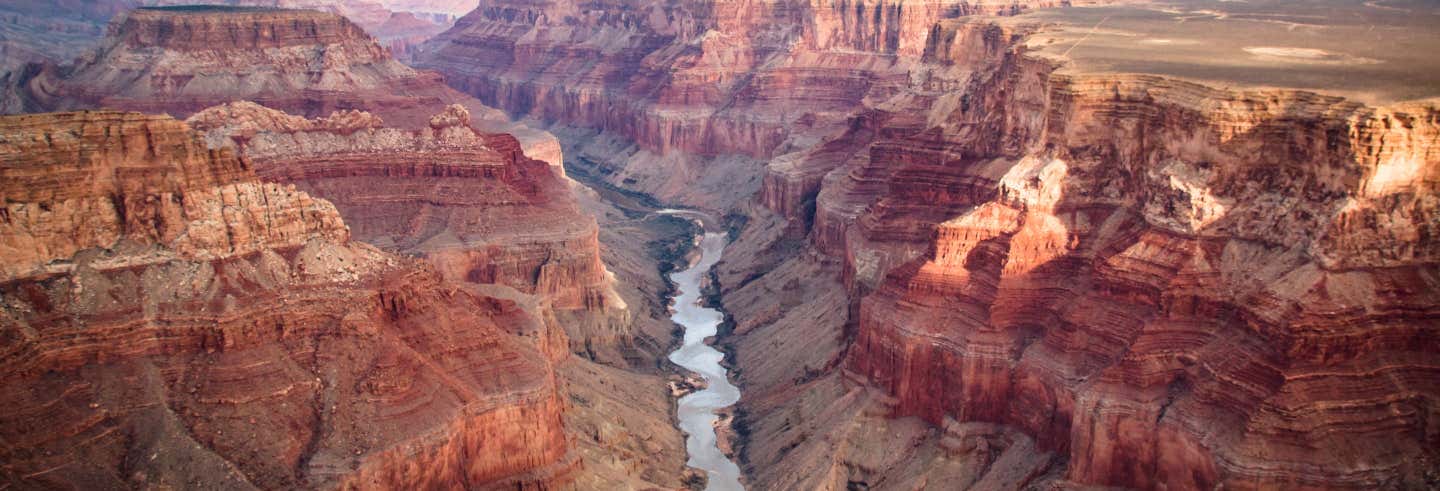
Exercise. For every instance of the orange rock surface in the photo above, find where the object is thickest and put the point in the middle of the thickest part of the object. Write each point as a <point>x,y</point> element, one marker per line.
<point>170,320</point>
<point>470,202</point>
<point>1159,283</point>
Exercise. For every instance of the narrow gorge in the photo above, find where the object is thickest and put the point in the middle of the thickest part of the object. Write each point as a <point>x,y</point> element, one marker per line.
<point>698,411</point>
<point>705,244</point>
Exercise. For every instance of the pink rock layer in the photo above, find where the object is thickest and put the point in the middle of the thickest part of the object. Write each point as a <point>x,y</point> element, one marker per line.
<point>1164,283</point>
<point>179,60</point>
<point>470,202</point>
<point>171,321</point>
<point>1173,285</point>
<point>703,77</point>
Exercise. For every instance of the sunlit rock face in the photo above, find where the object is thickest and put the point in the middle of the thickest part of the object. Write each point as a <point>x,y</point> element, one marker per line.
<point>173,321</point>
<point>1168,283</point>
<point>1160,282</point>
<point>470,202</point>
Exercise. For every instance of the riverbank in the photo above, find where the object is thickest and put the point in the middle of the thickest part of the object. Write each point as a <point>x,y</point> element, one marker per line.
<point>698,412</point>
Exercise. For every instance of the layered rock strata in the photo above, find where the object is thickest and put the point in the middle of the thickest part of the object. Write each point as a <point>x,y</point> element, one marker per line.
<point>1167,284</point>
<point>172,321</point>
<point>396,29</point>
<point>712,81</point>
<point>1158,283</point>
<point>1171,284</point>
<point>179,60</point>
<point>470,202</point>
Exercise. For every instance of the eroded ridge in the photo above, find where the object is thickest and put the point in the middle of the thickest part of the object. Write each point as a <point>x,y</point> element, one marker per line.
<point>173,321</point>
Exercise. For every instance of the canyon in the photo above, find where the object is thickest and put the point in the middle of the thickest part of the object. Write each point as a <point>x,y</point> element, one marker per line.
<point>1019,244</point>
<point>178,322</point>
<point>490,246</point>
<point>1055,272</point>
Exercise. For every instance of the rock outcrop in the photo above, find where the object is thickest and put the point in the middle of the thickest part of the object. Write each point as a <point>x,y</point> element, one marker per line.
<point>1162,282</point>
<point>181,59</point>
<point>1076,277</point>
<point>418,169</point>
<point>178,60</point>
<point>172,321</point>
<point>470,202</point>
<point>396,29</point>
<point>1169,283</point>
<point>700,78</point>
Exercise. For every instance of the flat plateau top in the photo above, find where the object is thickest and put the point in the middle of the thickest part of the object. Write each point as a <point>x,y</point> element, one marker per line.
<point>1376,52</point>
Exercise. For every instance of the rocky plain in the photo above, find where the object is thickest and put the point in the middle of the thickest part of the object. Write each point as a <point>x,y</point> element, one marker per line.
<point>417,244</point>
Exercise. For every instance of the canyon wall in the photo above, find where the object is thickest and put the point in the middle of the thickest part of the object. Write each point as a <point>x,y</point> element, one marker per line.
<point>469,202</point>
<point>397,29</point>
<point>1073,277</point>
<point>438,182</point>
<point>1170,285</point>
<point>1232,292</point>
<point>726,84</point>
<point>172,321</point>
<point>179,60</point>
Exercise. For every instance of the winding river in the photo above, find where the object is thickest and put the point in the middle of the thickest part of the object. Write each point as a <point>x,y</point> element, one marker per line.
<point>697,410</point>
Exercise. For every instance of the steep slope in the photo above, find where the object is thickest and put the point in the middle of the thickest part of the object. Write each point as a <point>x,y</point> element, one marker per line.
<point>179,60</point>
<point>1055,274</point>
<point>1162,283</point>
<point>396,29</point>
<point>469,202</point>
<point>490,219</point>
<point>1171,292</point>
<point>171,321</point>
<point>684,82</point>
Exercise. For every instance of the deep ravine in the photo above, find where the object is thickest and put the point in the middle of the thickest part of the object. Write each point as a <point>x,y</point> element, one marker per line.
<point>696,411</point>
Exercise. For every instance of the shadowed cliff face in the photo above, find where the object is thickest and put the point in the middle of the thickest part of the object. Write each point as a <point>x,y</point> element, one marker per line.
<point>397,27</point>
<point>170,320</point>
<point>1077,277</point>
<point>743,81</point>
<point>52,31</point>
<point>179,60</point>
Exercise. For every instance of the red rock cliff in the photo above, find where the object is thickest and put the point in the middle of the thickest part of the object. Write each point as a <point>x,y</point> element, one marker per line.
<point>470,202</point>
<point>397,30</point>
<point>179,60</point>
<point>692,79</point>
<point>1173,285</point>
<point>171,321</point>
<point>1164,283</point>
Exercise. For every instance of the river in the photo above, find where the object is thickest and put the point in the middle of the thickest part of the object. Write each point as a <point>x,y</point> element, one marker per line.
<point>696,411</point>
